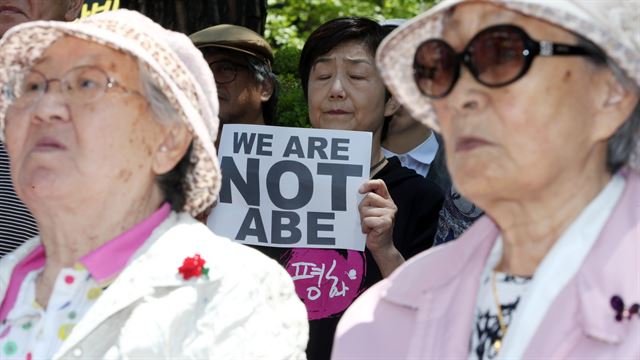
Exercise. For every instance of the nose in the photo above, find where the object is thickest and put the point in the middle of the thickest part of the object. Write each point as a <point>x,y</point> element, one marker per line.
<point>337,90</point>
<point>52,106</point>
<point>467,95</point>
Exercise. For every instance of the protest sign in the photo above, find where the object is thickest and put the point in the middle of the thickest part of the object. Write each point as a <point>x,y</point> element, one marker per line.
<point>291,187</point>
<point>92,7</point>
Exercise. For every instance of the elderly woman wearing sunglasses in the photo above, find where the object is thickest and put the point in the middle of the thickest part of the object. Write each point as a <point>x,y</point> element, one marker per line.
<point>538,106</point>
<point>109,124</point>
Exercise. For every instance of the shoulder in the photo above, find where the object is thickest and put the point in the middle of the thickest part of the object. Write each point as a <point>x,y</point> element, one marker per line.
<point>253,296</point>
<point>185,237</point>
<point>442,273</point>
<point>442,264</point>
<point>12,259</point>
<point>617,249</point>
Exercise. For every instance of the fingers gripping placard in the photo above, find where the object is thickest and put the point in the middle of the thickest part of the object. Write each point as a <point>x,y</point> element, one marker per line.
<point>292,187</point>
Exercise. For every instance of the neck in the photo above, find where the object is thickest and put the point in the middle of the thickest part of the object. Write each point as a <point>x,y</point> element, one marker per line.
<point>247,118</point>
<point>376,155</point>
<point>532,226</point>
<point>409,138</point>
<point>72,230</point>
<point>256,120</point>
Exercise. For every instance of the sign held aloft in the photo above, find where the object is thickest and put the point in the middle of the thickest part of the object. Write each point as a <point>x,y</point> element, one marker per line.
<point>291,187</point>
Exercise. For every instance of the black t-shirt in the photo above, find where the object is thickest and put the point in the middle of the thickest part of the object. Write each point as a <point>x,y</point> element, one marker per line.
<point>328,281</point>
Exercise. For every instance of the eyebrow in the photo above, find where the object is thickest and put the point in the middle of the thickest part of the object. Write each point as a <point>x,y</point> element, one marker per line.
<point>85,61</point>
<point>325,59</point>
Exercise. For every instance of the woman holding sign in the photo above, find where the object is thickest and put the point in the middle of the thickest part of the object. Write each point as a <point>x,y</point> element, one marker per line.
<point>109,124</point>
<point>399,211</point>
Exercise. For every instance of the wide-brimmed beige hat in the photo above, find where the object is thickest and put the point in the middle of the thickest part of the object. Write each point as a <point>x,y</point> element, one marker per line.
<point>174,63</point>
<point>613,25</point>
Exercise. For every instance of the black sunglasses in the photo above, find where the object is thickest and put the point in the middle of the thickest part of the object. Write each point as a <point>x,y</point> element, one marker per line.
<point>496,56</point>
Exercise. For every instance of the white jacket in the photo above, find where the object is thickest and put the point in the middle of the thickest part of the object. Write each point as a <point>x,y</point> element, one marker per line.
<point>246,309</point>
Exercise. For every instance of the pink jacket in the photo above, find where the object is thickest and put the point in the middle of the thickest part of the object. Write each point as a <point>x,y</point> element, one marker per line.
<point>425,309</point>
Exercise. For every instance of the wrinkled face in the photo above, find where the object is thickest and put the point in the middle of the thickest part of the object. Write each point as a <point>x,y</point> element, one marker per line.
<point>515,140</point>
<point>14,12</point>
<point>62,149</point>
<point>241,99</point>
<point>346,91</point>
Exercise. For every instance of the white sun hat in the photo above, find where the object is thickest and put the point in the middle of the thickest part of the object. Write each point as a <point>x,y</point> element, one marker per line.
<point>613,25</point>
<point>174,63</point>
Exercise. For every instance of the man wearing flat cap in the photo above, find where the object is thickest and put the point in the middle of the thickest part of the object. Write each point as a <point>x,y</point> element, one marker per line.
<point>240,60</point>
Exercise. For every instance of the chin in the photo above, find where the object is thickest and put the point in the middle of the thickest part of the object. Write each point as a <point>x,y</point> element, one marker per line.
<point>476,180</point>
<point>39,184</point>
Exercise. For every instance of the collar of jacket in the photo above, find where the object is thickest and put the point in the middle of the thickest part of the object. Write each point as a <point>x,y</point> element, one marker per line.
<point>429,286</point>
<point>154,265</point>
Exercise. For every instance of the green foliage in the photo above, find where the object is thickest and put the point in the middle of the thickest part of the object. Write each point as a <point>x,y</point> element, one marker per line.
<point>286,61</point>
<point>292,106</point>
<point>289,23</point>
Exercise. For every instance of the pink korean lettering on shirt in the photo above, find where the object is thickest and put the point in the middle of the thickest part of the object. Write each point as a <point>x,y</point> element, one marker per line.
<point>326,280</point>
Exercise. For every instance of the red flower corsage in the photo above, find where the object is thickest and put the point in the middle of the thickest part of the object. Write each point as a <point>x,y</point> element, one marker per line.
<point>193,267</point>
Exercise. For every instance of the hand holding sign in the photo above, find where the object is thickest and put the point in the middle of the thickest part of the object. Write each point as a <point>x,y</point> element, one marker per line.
<point>377,216</point>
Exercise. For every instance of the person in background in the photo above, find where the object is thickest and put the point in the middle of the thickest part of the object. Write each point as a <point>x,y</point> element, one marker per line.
<point>16,223</point>
<point>399,211</point>
<point>414,143</point>
<point>538,103</point>
<point>109,124</point>
<point>422,150</point>
<point>240,60</point>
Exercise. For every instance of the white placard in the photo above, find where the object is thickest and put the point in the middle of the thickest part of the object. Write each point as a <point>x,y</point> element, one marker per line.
<point>291,187</point>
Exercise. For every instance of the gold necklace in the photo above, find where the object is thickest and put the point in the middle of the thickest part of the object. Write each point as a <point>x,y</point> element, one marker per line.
<point>503,327</point>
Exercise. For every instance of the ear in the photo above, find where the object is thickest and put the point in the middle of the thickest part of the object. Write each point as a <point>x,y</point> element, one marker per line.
<point>616,104</point>
<point>73,9</point>
<point>266,90</point>
<point>170,151</point>
<point>391,106</point>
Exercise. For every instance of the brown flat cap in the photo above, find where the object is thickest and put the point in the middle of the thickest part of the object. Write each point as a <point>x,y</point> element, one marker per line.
<point>236,38</point>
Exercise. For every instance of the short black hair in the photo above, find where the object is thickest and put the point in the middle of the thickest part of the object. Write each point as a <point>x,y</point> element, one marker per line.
<point>334,33</point>
<point>262,72</point>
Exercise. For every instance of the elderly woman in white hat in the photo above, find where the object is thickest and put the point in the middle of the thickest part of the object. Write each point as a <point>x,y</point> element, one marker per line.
<point>537,102</point>
<point>109,123</point>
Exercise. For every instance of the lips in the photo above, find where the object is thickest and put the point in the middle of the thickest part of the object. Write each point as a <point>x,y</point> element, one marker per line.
<point>11,10</point>
<point>46,144</point>
<point>337,112</point>
<point>469,143</point>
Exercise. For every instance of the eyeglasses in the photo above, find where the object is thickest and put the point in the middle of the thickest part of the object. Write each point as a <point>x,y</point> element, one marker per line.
<point>224,71</point>
<point>80,85</point>
<point>496,56</point>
